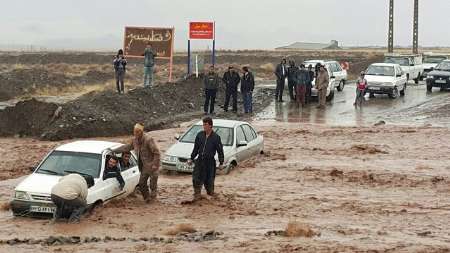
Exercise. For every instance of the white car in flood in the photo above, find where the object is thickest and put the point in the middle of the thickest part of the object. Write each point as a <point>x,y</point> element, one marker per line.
<point>87,158</point>
<point>386,78</point>
<point>240,142</point>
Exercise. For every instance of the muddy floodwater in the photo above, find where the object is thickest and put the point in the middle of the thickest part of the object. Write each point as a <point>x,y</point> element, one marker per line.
<point>358,189</point>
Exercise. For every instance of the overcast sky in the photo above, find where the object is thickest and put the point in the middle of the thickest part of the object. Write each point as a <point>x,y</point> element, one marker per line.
<point>240,24</point>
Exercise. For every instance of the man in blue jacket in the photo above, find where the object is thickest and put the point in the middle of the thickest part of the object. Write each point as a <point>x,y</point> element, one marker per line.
<point>247,86</point>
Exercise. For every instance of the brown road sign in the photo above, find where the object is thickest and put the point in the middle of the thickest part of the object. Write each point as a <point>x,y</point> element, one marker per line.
<point>136,39</point>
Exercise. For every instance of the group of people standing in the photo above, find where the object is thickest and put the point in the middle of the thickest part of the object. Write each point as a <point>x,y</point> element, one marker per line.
<point>300,82</point>
<point>231,79</point>
<point>120,63</point>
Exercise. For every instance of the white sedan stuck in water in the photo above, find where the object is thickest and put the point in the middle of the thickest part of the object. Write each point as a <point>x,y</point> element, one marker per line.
<point>87,158</point>
<point>240,142</point>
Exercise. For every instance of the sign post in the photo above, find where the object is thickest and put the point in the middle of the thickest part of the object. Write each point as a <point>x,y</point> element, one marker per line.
<point>161,40</point>
<point>201,31</point>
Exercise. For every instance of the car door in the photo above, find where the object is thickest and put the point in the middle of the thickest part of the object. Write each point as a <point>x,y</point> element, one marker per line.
<point>131,175</point>
<point>250,137</point>
<point>339,72</point>
<point>241,152</point>
<point>110,186</point>
<point>103,189</point>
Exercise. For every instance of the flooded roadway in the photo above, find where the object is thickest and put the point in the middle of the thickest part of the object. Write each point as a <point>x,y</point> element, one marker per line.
<point>415,108</point>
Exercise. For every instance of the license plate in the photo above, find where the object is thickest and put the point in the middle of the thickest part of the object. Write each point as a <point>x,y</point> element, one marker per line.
<point>42,209</point>
<point>184,167</point>
<point>440,81</point>
<point>375,88</point>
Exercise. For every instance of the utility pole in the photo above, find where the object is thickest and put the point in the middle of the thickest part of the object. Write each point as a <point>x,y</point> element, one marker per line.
<point>391,27</point>
<point>416,28</point>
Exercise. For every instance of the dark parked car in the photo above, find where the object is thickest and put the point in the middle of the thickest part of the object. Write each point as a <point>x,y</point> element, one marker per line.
<point>439,77</point>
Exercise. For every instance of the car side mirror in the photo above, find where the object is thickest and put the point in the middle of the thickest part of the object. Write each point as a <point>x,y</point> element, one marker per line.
<point>176,136</point>
<point>242,144</point>
<point>332,77</point>
<point>432,68</point>
<point>411,64</point>
<point>399,75</point>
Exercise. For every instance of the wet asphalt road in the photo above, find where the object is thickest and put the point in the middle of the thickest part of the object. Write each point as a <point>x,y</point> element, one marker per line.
<point>415,108</point>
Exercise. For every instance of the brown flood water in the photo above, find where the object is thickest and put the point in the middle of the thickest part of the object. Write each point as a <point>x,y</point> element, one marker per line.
<point>362,189</point>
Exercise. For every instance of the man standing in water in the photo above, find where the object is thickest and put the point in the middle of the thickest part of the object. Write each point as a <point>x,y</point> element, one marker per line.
<point>207,143</point>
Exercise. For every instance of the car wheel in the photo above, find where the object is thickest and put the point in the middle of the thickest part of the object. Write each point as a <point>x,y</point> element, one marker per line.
<point>402,92</point>
<point>371,95</point>
<point>331,96</point>
<point>341,86</point>
<point>416,81</point>
<point>227,169</point>
<point>442,89</point>
<point>394,93</point>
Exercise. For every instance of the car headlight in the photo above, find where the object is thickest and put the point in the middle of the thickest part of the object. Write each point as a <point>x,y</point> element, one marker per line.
<point>21,195</point>
<point>430,77</point>
<point>170,159</point>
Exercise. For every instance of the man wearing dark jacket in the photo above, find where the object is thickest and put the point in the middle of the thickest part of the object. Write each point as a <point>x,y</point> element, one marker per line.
<point>207,143</point>
<point>231,80</point>
<point>247,86</point>
<point>302,82</point>
<point>111,170</point>
<point>310,83</point>
<point>281,73</point>
<point>211,84</point>
<point>292,75</point>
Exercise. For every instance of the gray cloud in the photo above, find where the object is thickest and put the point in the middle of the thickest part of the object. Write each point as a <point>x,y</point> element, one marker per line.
<point>240,24</point>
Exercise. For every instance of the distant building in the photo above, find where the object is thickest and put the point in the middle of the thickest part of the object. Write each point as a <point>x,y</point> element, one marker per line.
<point>334,44</point>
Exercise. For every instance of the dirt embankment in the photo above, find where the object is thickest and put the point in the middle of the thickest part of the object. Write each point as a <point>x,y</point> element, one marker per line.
<point>107,113</point>
<point>24,74</point>
<point>28,80</point>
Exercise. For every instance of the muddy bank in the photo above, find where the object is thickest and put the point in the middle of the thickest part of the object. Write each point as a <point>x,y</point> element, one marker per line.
<point>28,80</point>
<point>24,74</point>
<point>107,113</point>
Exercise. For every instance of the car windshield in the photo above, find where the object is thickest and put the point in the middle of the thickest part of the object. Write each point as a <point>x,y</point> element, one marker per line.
<point>225,133</point>
<point>445,65</point>
<point>395,60</point>
<point>433,59</point>
<point>380,70</point>
<point>65,162</point>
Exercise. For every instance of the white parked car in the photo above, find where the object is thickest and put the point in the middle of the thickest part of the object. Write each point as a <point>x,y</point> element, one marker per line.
<point>87,158</point>
<point>240,142</point>
<point>386,78</point>
<point>334,69</point>
<point>430,62</point>
<point>411,65</point>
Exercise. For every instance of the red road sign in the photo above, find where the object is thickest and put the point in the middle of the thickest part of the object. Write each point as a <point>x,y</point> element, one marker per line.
<point>201,30</point>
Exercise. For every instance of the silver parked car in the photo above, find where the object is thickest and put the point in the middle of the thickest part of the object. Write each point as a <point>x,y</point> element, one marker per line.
<point>240,142</point>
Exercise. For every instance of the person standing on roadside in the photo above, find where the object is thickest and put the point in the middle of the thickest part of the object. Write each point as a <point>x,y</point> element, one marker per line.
<point>231,79</point>
<point>211,84</point>
<point>207,143</point>
<point>310,83</point>
<point>149,63</point>
<point>322,81</point>
<point>361,85</point>
<point>302,80</point>
<point>292,76</point>
<point>247,86</point>
<point>120,64</point>
<point>281,73</point>
<point>148,156</point>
